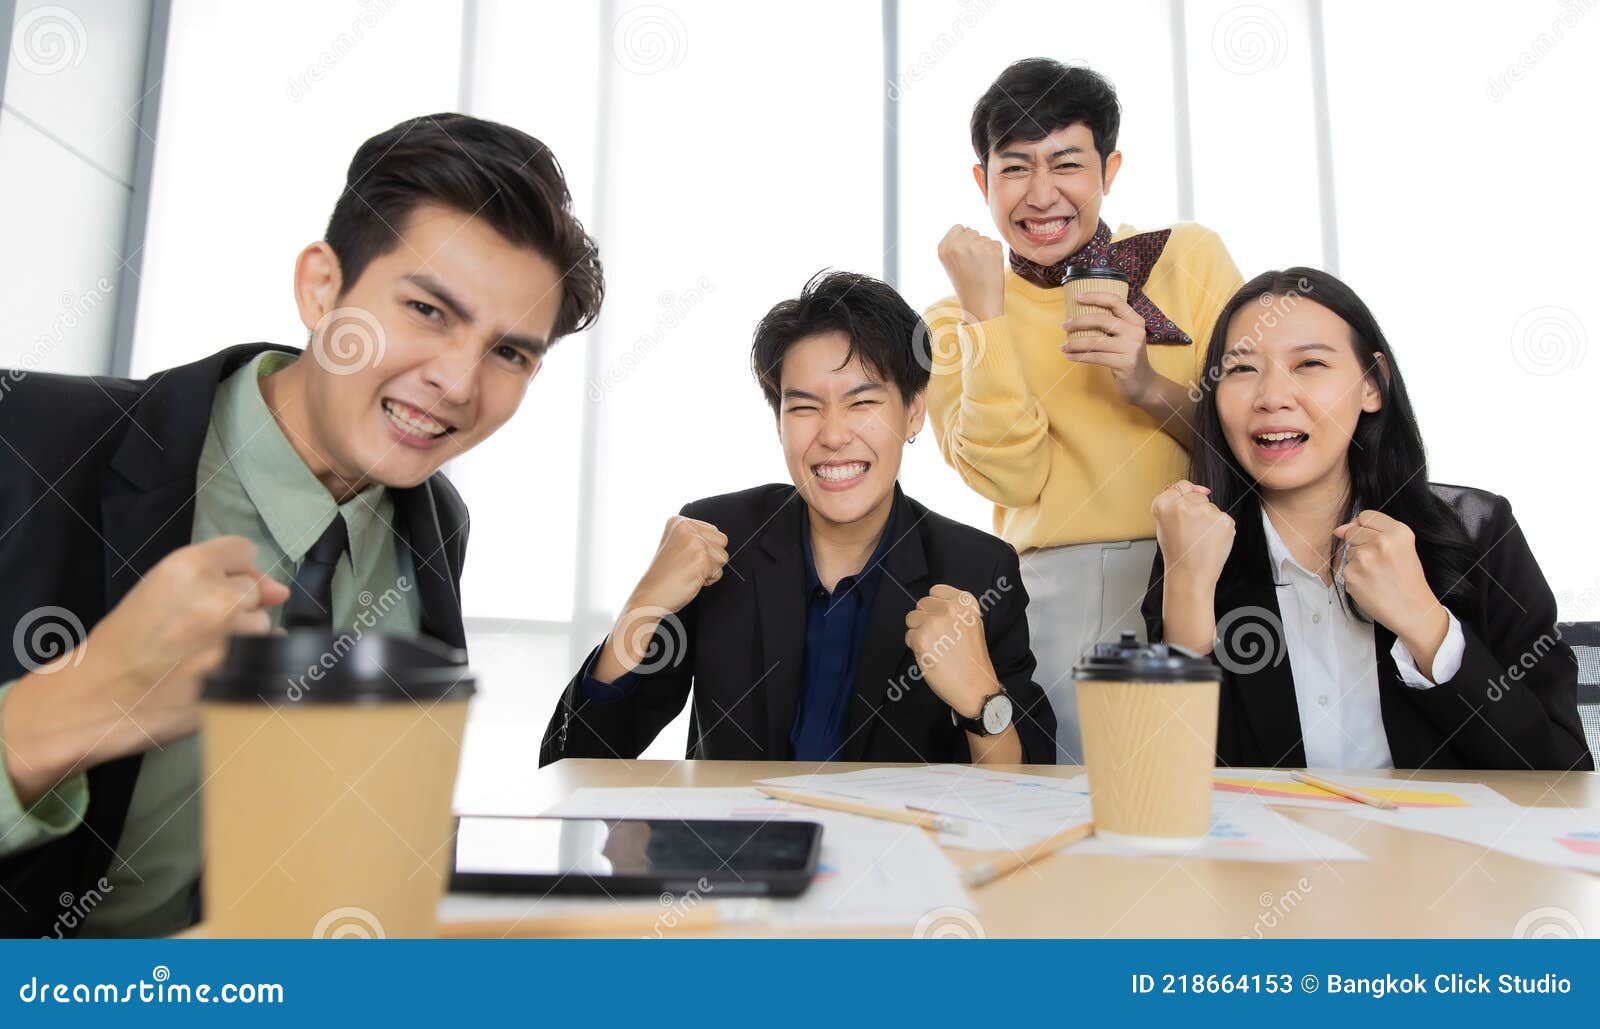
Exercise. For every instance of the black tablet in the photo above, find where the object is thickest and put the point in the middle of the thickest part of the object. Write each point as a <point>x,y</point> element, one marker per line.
<point>634,856</point>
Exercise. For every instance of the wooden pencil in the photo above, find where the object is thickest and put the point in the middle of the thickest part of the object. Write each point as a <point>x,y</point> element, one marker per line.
<point>928,820</point>
<point>1348,792</point>
<point>988,871</point>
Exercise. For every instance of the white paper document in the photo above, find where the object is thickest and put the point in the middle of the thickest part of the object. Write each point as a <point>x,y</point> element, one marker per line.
<point>871,872</point>
<point>1278,786</point>
<point>1568,837</point>
<point>1009,811</point>
<point>1243,832</point>
<point>994,809</point>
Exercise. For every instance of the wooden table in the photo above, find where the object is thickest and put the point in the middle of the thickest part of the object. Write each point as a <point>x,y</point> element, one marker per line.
<point>1413,885</point>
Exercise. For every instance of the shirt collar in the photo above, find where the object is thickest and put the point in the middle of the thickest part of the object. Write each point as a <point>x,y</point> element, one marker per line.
<point>1277,552</point>
<point>294,506</point>
<point>863,581</point>
<point>1283,561</point>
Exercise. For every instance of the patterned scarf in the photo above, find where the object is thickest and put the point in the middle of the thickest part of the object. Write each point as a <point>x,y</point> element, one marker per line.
<point>1134,257</point>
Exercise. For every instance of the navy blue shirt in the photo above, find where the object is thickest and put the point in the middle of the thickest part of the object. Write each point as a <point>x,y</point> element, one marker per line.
<point>836,627</point>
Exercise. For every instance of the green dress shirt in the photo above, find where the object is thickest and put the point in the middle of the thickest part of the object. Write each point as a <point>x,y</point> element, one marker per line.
<point>250,483</point>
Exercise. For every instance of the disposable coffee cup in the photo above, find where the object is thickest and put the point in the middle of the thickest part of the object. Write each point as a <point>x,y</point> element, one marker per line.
<point>329,768</point>
<point>1081,279</point>
<point>1149,720</point>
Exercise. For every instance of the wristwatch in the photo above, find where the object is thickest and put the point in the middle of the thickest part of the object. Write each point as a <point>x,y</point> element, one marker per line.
<point>994,717</point>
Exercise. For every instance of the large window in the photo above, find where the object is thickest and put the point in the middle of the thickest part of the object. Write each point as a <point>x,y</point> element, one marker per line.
<point>723,153</point>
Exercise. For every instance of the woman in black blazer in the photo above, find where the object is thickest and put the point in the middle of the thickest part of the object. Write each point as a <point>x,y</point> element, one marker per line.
<point>1363,616</point>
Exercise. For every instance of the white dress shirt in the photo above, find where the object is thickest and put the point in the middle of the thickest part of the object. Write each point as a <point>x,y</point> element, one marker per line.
<point>1335,668</point>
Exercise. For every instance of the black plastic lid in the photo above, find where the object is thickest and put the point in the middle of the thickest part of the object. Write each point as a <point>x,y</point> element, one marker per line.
<point>313,666</point>
<point>1128,660</point>
<point>1085,271</point>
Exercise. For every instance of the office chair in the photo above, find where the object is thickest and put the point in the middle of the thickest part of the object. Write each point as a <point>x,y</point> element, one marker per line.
<point>1584,638</point>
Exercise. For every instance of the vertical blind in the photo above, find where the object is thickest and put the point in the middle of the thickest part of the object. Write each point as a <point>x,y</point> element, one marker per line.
<point>723,153</point>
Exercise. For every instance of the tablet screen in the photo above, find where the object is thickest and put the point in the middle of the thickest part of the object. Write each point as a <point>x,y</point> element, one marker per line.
<point>492,849</point>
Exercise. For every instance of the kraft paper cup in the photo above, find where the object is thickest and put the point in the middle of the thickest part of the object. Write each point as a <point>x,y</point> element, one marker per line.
<point>329,769</point>
<point>1080,280</point>
<point>1149,720</point>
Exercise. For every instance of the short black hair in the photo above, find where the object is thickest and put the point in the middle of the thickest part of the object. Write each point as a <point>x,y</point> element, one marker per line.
<point>1037,96</point>
<point>889,337</point>
<point>482,168</point>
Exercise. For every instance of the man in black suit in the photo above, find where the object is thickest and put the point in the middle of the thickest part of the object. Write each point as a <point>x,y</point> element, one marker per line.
<point>835,618</point>
<point>256,487</point>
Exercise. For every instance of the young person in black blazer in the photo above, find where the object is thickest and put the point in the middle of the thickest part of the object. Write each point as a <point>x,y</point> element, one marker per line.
<point>160,516</point>
<point>835,618</point>
<point>1363,616</point>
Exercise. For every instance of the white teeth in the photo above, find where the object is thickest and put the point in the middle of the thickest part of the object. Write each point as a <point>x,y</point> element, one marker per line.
<point>420,424</point>
<point>1045,228</point>
<point>840,472</point>
<point>1275,437</point>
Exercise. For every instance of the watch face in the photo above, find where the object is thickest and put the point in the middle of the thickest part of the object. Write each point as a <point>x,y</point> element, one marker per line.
<point>997,715</point>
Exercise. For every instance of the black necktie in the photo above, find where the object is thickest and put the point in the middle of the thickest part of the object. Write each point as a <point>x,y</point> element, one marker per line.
<point>310,604</point>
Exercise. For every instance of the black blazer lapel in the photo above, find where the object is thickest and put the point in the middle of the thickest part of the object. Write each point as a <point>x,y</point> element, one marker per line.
<point>1411,745</point>
<point>150,512</point>
<point>884,654</point>
<point>431,546</point>
<point>781,614</point>
<point>1250,631</point>
<point>147,512</point>
<point>140,529</point>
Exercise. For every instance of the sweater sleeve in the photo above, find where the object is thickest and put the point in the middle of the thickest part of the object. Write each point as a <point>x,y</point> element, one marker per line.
<point>990,428</point>
<point>1212,279</point>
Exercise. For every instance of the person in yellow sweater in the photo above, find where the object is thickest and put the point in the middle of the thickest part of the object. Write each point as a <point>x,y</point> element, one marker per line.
<point>1071,440</point>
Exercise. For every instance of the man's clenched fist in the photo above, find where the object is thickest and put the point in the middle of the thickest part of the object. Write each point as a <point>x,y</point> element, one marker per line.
<point>945,634</point>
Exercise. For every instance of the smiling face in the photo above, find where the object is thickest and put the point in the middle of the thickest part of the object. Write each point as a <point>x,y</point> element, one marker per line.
<point>1291,394</point>
<point>842,428</point>
<point>1045,195</point>
<point>422,358</point>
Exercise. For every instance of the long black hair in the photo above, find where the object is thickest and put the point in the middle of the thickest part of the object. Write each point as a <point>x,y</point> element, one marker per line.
<point>1387,461</point>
